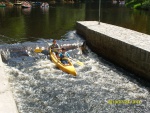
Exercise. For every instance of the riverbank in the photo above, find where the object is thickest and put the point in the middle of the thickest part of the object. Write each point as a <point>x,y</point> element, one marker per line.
<point>7,103</point>
<point>125,47</point>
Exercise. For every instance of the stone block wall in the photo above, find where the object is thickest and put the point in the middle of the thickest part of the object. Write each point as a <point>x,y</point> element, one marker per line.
<point>127,55</point>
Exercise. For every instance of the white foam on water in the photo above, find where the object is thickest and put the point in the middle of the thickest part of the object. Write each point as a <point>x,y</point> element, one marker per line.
<point>39,86</point>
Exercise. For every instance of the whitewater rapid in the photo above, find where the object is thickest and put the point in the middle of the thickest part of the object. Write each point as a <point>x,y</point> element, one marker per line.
<point>39,86</point>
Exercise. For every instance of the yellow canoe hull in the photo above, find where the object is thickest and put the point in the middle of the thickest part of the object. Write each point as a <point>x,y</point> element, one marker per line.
<point>66,68</point>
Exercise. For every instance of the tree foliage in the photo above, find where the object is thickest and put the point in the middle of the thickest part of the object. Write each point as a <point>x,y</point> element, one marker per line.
<point>138,4</point>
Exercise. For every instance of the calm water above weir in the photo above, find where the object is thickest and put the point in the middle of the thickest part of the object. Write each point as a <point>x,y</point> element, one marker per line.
<point>20,25</point>
<point>39,87</point>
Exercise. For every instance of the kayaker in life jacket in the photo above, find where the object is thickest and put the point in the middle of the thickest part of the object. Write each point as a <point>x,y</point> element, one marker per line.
<point>64,56</point>
<point>55,47</point>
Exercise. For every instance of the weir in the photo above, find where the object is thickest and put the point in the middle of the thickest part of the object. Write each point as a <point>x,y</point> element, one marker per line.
<point>39,87</point>
<point>127,48</point>
<point>7,102</point>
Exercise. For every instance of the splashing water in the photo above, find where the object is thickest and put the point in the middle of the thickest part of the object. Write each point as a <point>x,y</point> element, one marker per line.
<point>40,87</point>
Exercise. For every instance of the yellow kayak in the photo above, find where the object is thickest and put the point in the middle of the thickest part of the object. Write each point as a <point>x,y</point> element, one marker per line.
<point>66,68</point>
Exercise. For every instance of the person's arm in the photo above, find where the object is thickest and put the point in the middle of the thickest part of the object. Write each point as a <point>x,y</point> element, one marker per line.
<point>51,46</point>
<point>60,55</point>
<point>68,55</point>
<point>58,46</point>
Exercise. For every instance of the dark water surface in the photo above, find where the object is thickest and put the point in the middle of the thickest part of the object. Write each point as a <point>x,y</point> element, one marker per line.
<point>21,25</point>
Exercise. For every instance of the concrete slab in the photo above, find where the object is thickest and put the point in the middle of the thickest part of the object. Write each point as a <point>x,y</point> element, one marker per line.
<point>7,103</point>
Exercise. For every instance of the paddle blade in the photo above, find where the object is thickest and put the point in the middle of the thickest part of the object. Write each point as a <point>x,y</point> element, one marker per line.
<point>38,50</point>
<point>80,63</point>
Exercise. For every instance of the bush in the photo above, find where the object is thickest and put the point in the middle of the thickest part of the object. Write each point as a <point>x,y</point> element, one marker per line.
<point>137,6</point>
<point>146,5</point>
<point>131,3</point>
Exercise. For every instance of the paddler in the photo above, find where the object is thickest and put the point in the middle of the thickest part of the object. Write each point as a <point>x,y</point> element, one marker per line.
<point>55,47</point>
<point>64,56</point>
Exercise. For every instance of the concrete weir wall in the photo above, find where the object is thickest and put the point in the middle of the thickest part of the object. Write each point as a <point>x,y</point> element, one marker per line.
<point>128,48</point>
<point>7,103</point>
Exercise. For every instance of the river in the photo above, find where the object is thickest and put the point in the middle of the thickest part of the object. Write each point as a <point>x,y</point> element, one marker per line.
<point>39,87</point>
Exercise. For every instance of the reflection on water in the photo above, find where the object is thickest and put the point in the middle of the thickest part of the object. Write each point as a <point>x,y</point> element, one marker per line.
<point>45,9</point>
<point>31,24</point>
<point>26,11</point>
<point>40,87</point>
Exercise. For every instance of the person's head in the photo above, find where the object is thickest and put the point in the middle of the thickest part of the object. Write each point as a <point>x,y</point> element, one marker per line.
<point>63,50</point>
<point>54,41</point>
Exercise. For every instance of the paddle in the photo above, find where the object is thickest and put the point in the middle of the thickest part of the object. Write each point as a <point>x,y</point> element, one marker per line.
<point>78,62</point>
<point>39,50</point>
